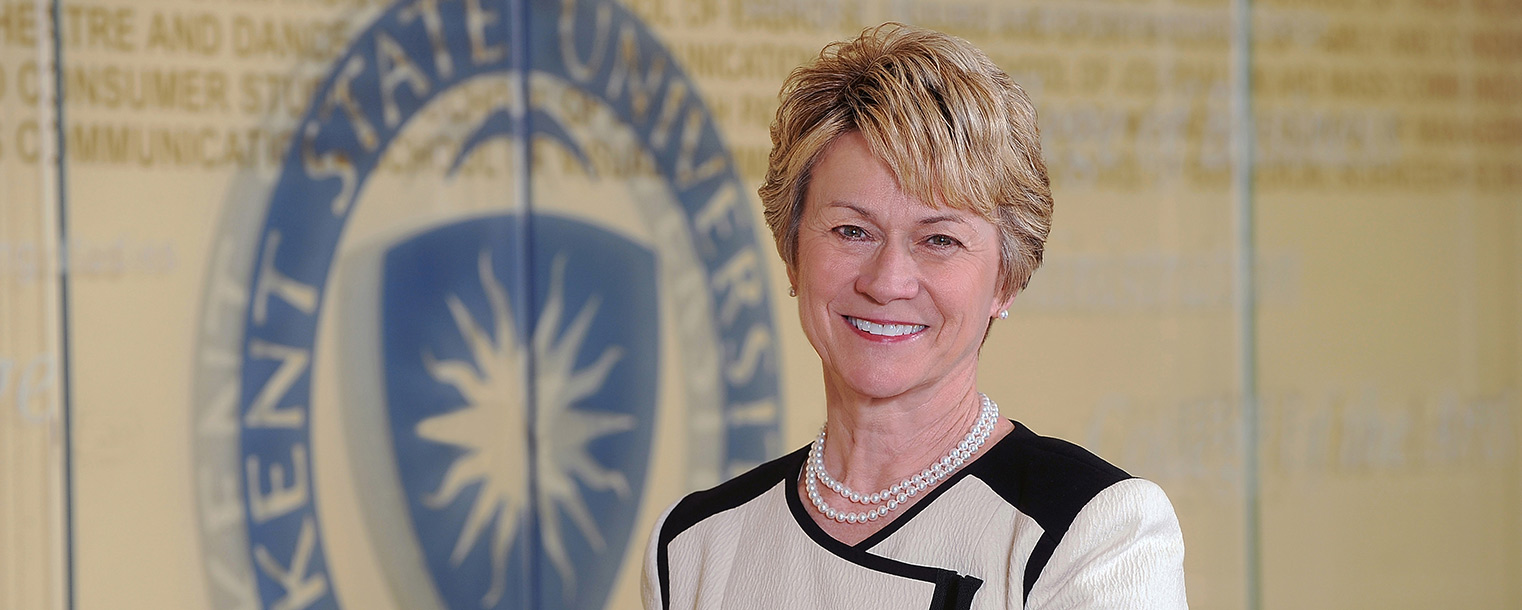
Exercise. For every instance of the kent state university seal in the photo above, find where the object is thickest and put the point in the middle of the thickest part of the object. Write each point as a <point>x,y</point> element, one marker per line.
<point>505,267</point>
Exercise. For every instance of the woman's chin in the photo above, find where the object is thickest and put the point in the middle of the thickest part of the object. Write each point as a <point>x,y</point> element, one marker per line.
<point>879,383</point>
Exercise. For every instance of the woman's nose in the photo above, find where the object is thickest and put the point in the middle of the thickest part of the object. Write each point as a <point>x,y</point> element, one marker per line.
<point>889,274</point>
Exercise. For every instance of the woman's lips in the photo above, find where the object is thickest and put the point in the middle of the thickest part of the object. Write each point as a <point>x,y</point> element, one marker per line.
<point>885,330</point>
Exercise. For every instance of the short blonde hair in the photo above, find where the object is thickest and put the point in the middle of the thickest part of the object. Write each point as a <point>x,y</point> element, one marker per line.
<point>954,129</point>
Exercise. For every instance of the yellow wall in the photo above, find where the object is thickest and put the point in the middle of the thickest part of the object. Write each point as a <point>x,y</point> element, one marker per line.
<point>1385,223</point>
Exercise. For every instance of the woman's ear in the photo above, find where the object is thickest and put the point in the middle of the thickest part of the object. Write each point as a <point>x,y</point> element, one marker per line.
<point>1002,304</point>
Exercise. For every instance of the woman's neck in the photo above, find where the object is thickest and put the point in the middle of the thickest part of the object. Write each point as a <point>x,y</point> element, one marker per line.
<point>873,443</point>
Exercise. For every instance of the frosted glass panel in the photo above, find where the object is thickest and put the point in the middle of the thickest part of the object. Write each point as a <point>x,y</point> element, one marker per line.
<point>1388,168</point>
<point>33,462</point>
<point>373,304</point>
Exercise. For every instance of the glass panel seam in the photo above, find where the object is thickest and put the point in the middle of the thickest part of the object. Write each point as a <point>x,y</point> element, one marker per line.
<point>1243,132</point>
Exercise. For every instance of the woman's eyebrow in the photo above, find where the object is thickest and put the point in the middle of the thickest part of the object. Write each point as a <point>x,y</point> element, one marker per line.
<point>942,218</point>
<point>863,212</point>
<point>867,214</point>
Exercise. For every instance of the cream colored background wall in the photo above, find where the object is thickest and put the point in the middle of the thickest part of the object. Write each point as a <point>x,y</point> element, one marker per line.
<point>1386,227</point>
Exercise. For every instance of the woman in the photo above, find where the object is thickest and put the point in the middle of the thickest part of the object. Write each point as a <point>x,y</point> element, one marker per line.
<point>910,204</point>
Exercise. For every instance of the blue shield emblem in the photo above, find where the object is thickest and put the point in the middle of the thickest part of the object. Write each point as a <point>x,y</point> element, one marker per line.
<point>512,372</point>
<point>521,419</point>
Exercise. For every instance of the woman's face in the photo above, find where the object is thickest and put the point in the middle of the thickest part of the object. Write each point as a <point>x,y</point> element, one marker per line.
<point>893,294</point>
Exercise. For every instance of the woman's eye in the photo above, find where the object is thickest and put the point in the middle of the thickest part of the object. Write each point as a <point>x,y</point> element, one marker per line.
<point>851,232</point>
<point>942,241</point>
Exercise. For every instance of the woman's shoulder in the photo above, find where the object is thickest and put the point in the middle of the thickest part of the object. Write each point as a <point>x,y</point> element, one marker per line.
<point>1052,454</point>
<point>700,505</point>
<point>1051,479</point>
<point>1088,509</point>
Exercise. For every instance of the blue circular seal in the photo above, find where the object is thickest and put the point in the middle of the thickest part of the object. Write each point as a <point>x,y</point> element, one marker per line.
<point>519,348</point>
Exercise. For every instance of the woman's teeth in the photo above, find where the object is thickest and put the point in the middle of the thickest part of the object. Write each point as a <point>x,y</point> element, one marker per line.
<point>885,330</point>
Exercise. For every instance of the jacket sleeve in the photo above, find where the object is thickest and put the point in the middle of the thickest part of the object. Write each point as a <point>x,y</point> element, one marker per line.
<point>1123,550</point>
<point>650,583</point>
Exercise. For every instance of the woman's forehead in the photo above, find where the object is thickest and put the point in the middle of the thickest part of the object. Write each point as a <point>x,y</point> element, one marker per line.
<point>850,175</point>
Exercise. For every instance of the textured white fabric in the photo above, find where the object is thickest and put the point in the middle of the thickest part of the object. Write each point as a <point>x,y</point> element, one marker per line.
<point>1124,550</point>
<point>649,585</point>
<point>742,558</point>
<point>972,530</point>
<point>1122,547</point>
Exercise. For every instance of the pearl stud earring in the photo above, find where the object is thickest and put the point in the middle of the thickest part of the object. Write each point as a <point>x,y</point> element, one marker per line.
<point>792,292</point>
<point>1004,315</point>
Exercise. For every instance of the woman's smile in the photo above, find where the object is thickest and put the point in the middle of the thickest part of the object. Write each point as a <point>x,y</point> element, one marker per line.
<point>885,331</point>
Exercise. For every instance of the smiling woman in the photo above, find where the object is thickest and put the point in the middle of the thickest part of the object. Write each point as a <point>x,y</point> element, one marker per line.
<point>909,202</point>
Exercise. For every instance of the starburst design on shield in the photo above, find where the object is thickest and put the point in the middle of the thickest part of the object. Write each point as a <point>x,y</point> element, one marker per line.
<point>492,427</point>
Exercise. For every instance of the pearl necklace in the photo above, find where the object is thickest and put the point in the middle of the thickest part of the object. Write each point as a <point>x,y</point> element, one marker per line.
<point>899,494</point>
